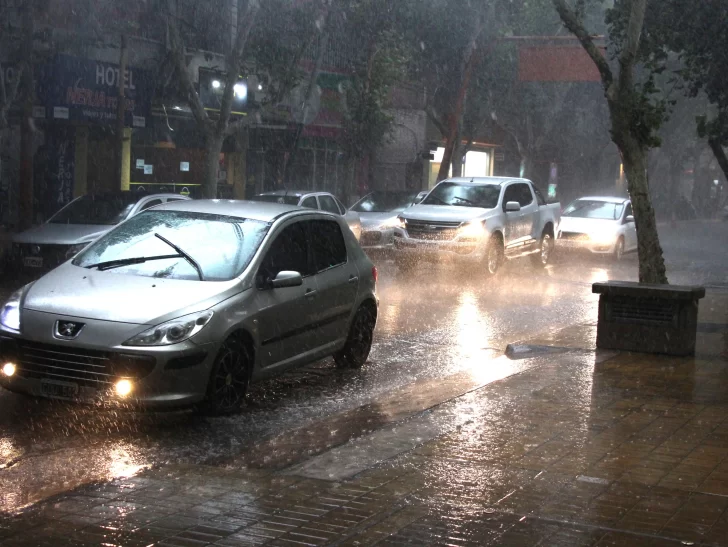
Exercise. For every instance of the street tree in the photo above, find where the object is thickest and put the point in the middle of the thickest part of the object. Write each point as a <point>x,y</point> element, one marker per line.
<point>635,115</point>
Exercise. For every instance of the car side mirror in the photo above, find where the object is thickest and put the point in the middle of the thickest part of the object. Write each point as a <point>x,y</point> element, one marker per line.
<point>513,207</point>
<point>420,197</point>
<point>287,279</point>
<point>628,219</point>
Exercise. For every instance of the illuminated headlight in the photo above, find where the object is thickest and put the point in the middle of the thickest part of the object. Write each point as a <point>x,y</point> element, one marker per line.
<point>394,222</point>
<point>400,223</point>
<point>473,229</point>
<point>123,387</point>
<point>9,369</point>
<point>172,332</point>
<point>10,312</point>
<point>73,250</point>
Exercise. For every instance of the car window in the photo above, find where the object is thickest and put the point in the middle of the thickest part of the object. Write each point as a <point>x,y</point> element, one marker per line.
<point>597,209</point>
<point>539,196</point>
<point>101,209</point>
<point>511,194</point>
<point>628,212</point>
<point>327,243</point>
<point>170,200</point>
<point>310,202</point>
<point>524,194</point>
<point>464,195</point>
<point>223,246</point>
<point>328,204</point>
<point>288,252</point>
<point>151,203</point>
<point>276,198</point>
<point>342,207</point>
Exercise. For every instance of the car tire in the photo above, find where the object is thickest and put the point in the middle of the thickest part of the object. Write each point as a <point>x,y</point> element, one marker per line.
<point>494,255</point>
<point>545,253</point>
<point>359,340</point>
<point>618,253</point>
<point>229,379</point>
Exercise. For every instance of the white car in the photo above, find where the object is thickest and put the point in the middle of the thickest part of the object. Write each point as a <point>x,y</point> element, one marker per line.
<point>601,225</point>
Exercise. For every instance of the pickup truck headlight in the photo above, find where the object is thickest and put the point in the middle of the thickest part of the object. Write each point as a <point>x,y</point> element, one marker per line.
<point>171,332</point>
<point>400,223</point>
<point>474,229</point>
<point>10,312</point>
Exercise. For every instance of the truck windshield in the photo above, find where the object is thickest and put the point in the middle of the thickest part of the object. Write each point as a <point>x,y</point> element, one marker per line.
<point>464,195</point>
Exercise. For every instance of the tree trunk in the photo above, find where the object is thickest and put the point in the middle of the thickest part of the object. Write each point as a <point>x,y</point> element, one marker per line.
<point>450,141</point>
<point>213,147</point>
<point>651,262</point>
<point>25,204</point>
<point>121,113</point>
<point>457,160</point>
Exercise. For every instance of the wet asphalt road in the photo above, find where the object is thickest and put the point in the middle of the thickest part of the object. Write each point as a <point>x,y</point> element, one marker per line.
<point>433,324</point>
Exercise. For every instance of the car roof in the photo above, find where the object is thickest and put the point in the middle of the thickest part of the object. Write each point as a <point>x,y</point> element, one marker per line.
<point>131,197</point>
<point>485,180</point>
<point>606,199</point>
<point>296,193</point>
<point>255,210</point>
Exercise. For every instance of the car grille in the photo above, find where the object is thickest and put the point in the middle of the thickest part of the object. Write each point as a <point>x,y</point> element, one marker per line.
<point>574,236</point>
<point>432,230</point>
<point>371,238</point>
<point>85,367</point>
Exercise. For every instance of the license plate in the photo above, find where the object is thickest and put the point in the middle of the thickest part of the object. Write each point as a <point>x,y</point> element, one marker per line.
<point>58,390</point>
<point>33,261</point>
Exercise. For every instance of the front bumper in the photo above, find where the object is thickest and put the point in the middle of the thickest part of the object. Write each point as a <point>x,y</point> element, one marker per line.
<point>471,251</point>
<point>161,377</point>
<point>587,246</point>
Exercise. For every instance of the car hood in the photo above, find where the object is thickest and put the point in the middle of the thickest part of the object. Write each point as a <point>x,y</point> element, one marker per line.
<point>373,220</point>
<point>108,296</point>
<point>61,234</point>
<point>586,225</point>
<point>443,213</point>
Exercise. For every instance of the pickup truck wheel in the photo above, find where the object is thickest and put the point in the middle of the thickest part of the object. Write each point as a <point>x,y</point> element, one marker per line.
<point>545,251</point>
<point>493,256</point>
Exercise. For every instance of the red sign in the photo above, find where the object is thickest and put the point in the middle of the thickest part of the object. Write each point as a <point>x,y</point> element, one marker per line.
<point>551,63</point>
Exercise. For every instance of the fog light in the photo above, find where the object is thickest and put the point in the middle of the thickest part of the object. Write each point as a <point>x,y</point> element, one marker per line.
<point>9,369</point>
<point>123,388</point>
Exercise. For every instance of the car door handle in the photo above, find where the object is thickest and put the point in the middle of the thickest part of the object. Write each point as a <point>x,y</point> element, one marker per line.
<point>353,279</point>
<point>310,293</point>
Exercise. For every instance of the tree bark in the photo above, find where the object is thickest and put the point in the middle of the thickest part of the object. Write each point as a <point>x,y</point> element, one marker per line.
<point>213,147</point>
<point>121,112</point>
<point>621,99</point>
<point>25,205</point>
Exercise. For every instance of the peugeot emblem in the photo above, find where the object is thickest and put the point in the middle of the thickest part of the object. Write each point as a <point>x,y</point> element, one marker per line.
<point>68,330</point>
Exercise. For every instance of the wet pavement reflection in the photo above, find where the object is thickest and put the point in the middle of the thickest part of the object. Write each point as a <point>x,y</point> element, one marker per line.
<point>440,335</point>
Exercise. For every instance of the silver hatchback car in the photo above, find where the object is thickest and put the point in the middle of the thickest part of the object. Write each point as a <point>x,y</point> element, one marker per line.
<point>187,303</point>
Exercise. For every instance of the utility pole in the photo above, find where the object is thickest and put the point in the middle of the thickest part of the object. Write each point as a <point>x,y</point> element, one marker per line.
<point>25,190</point>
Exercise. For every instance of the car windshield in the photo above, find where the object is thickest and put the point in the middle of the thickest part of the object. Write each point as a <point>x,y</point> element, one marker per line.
<point>464,195</point>
<point>384,202</point>
<point>102,209</point>
<point>289,199</point>
<point>223,246</point>
<point>601,210</point>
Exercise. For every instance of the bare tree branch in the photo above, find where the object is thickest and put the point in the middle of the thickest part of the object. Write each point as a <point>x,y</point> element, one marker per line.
<point>572,22</point>
<point>234,59</point>
<point>178,54</point>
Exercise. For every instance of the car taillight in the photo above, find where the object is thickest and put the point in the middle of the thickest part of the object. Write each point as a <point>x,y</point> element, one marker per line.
<point>375,273</point>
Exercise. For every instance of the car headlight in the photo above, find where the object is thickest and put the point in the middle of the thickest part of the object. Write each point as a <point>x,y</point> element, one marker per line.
<point>73,250</point>
<point>472,229</point>
<point>10,313</point>
<point>172,332</point>
<point>400,223</point>
<point>394,222</point>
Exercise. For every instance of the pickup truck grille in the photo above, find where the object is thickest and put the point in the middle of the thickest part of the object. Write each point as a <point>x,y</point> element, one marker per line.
<point>574,236</point>
<point>432,230</point>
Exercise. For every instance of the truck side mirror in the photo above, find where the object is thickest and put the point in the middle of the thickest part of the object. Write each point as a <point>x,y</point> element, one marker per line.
<point>513,207</point>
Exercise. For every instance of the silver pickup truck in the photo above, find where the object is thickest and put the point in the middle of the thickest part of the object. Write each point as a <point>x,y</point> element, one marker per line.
<point>481,220</point>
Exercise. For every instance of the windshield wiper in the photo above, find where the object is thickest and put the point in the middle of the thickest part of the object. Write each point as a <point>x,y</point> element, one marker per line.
<point>465,200</point>
<point>110,264</point>
<point>184,255</point>
<point>442,202</point>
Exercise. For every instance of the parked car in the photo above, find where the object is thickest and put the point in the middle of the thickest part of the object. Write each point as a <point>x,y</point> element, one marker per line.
<point>481,221</point>
<point>601,225</point>
<point>378,212</point>
<point>44,247</point>
<point>323,201</point>
<point>189,302</point>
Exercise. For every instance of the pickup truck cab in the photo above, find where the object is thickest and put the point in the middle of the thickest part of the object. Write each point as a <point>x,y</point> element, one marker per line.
<point>481,220</point>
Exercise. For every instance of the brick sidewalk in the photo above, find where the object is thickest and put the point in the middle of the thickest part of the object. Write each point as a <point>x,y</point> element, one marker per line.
<point>628,451</point>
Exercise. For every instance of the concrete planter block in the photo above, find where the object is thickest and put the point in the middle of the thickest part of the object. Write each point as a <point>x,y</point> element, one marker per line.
<point>647,318</point>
